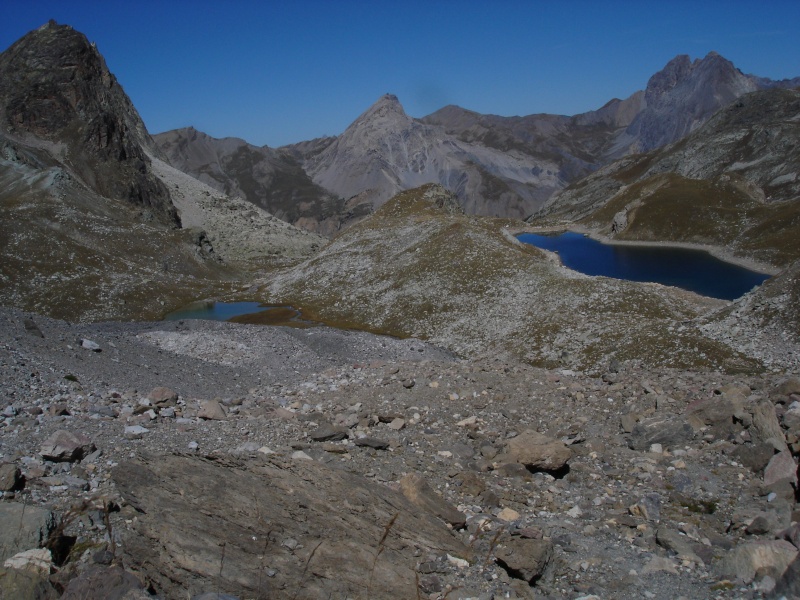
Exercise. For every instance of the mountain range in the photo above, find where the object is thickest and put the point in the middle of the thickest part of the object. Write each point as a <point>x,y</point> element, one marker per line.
<point>497,166</point>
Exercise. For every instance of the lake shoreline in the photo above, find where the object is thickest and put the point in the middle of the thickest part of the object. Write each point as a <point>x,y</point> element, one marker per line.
<point>715,251</point>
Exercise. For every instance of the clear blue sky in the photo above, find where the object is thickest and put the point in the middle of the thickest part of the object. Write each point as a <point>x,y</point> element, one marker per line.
<point>281,72</point>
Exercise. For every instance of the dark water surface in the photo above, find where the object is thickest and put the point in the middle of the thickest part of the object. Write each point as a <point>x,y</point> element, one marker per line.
<point>254,313</point>
<point>694,270</point>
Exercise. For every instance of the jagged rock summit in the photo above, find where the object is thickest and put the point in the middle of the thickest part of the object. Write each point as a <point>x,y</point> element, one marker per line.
<point>684,94</point>
<point>55,86</point>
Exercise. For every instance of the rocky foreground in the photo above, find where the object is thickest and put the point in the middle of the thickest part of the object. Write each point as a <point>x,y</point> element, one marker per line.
<point>188,458</point>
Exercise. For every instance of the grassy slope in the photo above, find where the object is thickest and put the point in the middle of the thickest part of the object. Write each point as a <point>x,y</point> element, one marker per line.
<point>68,253</point>
<point>416,270</point>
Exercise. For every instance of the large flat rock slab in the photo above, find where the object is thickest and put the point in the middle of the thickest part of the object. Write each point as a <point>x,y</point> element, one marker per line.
<point>275,528</point>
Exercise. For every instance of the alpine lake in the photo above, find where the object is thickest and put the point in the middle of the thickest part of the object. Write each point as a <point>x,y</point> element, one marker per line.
<point>694,270</point>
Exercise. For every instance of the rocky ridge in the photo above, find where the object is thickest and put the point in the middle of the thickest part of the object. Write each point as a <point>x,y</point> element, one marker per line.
<point>449,478</point>
<point>271,179</point>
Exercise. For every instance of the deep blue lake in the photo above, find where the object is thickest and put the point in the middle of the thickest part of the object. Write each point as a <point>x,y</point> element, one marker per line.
<point>693,270</point>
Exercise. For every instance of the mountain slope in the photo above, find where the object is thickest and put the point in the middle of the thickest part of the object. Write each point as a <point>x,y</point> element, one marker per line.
<point>55,87</point>
<point>268,178</point>
<point>733,183</point>
<point>385,151</point>
<point>419,267</point>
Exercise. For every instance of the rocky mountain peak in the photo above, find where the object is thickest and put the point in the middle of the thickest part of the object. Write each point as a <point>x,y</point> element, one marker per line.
<point>387,109</point>
<point>55,86</point>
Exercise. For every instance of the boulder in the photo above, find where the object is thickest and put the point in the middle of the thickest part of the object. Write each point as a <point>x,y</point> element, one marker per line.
<point>10,478</point>
<point>24,527</point>
<point>763,557</point>
<point>371,442</point>
<point>766,428</point>
<point>37,560</point>
<point>274,528</point>
<point>525,558</point>
<point>537,451</point>
<point>328,433</point>
<point>788,586</point>
<point>163,397</point>
<point>781,467</point>
<point>787,387</point>
<point>211,410</point>
<point>416,489</point>
<point>25,585</point>
<point>66,446</point>
<point>716,410</point>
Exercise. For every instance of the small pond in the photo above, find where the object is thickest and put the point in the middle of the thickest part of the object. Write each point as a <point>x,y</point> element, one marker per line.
<point>694,270</point>
<point>254,313</point>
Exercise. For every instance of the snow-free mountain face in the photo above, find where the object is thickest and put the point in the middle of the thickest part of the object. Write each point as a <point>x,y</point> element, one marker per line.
<point>684,95</point>
<point>55,87</point>
<point>497,166</point>
<point>385,151</point>
<point>269,178</point>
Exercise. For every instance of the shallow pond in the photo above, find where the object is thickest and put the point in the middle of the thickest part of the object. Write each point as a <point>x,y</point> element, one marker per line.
<point>694,270</point>
<point>254,313</point>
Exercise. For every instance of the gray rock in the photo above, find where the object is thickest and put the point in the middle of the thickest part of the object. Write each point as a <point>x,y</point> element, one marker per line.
<point>25,585</point>
<point>211,410</point>
<point>715,410</point>
<point>667,431</point>
<point>648,507</point>
<point>791,535</point>
<point>163,397</point>
<point>135,432</point>
<point>765,557</point>
<point>109,583</point>
<point>339,521</point>
<point>679,544</point>
<point>754,456</point>
<point>788,585</point>
<point>766,428</point>
<point>66,446</point>
<point>537,451</point>
<point>787,387</point>
<point>781,467</point>
<point>328,433</point>
<point>524,558</point>
<point>32,328</point>
<point>370,442</point>
<point>90,345</point>
<point>10,478</point>
<point>24,527</point>
<point>416,489</point>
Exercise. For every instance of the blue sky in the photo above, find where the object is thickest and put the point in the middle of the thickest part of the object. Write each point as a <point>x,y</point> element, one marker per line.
<point>281,72</point>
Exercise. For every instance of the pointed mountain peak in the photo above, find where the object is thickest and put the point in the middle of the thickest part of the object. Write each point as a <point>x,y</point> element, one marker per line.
<point>388,104</point>
<point>55,85</point>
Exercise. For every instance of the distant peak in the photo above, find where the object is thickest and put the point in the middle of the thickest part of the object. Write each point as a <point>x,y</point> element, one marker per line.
<point>388,102</point>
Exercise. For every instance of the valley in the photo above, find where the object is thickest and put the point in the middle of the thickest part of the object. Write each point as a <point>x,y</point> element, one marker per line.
<point>467,418</point>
